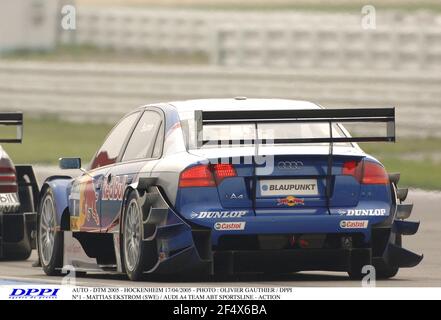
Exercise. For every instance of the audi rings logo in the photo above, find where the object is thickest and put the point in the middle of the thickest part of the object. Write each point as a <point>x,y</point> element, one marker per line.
<point>289,165</point>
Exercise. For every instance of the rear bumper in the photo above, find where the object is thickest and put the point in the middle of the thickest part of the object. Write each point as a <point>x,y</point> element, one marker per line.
<point>233,262</point>
<point>189,261</point>
<point>312,224</point>
<point>186,247</point>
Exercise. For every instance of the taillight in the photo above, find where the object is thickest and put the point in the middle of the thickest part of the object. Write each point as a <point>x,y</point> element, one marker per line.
<point>366,172</point>
<point>8,178</point>
<point>373,173</point>
<point>197,176</point>
<point>353,168</point>
<point>222,171</point>
<point>206,175</point>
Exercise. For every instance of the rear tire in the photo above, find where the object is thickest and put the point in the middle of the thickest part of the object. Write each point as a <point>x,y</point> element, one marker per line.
<point>134,256</point>
<point>50,241</point>
<point>19,251</point>
<point>359,259</point>
<point>355,274</point>
<point>388,271</point>
<point>17,256</point>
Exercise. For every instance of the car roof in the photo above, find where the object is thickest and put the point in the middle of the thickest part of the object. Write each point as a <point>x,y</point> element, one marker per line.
<point>242,104</point>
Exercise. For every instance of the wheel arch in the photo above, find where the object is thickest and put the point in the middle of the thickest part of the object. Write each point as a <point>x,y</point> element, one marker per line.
<point>59,186</point>
<point>140,186</point>
<point>127,193</point>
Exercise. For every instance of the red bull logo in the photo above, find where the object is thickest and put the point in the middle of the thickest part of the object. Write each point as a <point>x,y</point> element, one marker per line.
<point>114,190</point>
<point>290,201</point>
<point>87,205</point>
<point>90,198</point>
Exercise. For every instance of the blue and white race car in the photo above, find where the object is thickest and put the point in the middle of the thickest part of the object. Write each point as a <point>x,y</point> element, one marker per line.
<point>229,186</point>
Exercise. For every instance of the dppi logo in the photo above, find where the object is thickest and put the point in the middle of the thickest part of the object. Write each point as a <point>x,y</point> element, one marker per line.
<point>34,293</point>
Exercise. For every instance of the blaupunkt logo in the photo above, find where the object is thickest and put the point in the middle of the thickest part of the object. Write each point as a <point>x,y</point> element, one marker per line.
<point>34,293</point>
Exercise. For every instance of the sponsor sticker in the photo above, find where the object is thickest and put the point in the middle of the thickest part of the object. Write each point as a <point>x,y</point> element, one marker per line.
<point>9,202</point>
<point>226,226</point>
<point>354,224</point>
<point>285,187</point>
<point>218,214</point>
<point>114,190</point>
<point>85,198</point>
<point>363,212</point>
<point>290,201</point>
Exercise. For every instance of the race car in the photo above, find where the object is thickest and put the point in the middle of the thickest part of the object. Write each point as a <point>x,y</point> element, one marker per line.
<point>229,186</point>
<point>18,197</point>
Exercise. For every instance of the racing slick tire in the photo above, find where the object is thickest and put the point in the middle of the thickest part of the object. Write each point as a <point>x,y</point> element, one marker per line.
<point>387,271</point>
<point>18,252</point>
<point>358,261</point>
<point>50,241</point>
<point>355,274</point>
<point>135,255</point>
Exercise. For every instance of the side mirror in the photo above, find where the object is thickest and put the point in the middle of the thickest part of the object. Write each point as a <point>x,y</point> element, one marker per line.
<point>70,163</point>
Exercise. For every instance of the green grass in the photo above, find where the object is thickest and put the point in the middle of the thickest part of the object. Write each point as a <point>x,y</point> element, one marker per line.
<point>418,161</point>
<point>88,53</point>
<point>404,146</point>
<point>416,174</point>
<point>46,140</point>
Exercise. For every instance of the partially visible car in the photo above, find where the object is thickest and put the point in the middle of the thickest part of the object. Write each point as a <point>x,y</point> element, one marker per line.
<point>18,198</point>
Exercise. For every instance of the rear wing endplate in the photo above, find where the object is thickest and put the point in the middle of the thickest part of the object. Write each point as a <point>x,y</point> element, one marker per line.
<point>330,116</point>
<point>12,119</point>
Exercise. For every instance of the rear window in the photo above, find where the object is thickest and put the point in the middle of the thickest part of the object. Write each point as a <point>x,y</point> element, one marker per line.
<point>248,132</point>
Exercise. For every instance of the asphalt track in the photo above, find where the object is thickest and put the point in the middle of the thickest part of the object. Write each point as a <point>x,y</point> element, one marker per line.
<point>427,209</point>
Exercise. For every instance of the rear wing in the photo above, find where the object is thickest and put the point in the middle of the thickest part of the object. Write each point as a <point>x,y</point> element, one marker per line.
<point>329,116</point>
<point>12,119</point>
